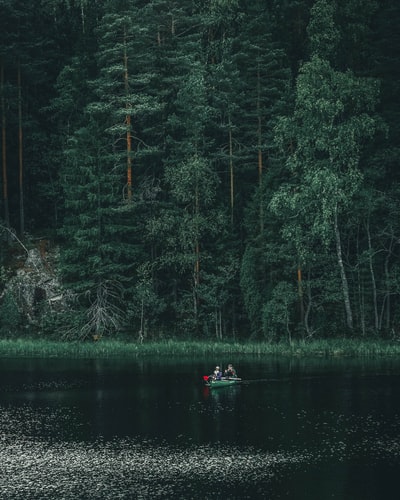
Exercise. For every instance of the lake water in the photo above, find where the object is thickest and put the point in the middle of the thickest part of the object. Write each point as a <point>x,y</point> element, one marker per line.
<point>302,429</point>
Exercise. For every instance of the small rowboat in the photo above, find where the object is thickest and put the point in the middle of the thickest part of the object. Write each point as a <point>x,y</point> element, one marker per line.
<point>222,382</point>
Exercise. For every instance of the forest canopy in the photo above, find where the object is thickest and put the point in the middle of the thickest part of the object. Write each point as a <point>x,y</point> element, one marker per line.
<point>203,168</point>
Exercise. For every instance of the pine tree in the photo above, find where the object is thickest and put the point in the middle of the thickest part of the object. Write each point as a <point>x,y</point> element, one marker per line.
<point>264,69</point>
<point>104,218</point>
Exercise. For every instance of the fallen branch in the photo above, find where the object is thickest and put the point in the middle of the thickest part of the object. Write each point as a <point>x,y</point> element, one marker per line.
<point>13,235</point>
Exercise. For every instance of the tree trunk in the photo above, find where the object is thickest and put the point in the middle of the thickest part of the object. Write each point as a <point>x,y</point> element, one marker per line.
<point>4,148</point>
<point>218,323</point>
<point>82,16</point>
<point>361,294</point>
<point>259,148</point>
<point>308,308</point>
<point>300,294</point>
<point>373,281</point>
<point>20,157</point>
<point>196,273</point>
<point>386,306</point>
<point>128,127</point>
<point>345,286</point>
<point>231,170</point>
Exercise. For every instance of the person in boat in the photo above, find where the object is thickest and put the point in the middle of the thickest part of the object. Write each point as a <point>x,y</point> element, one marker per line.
<point>217,374</point>
<point>230,372</point>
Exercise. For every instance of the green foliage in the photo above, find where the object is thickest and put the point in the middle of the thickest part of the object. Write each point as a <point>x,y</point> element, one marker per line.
<point>252,287</point>
<point>322,31</point>
<point>5,274</point>
<point>10,318</point>
<point>253,132</point>
<point>329,124</point>
<point>332,120</point>
<point>277,312</point>
<point>146,306</point>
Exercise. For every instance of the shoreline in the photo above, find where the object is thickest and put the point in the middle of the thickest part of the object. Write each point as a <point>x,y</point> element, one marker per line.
<point>105,348</point>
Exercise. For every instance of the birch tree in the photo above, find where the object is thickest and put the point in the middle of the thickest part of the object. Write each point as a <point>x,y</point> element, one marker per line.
<point>333,117</point>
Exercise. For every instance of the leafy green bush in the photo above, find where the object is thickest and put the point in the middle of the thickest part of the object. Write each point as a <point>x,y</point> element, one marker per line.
<point>10,317</point>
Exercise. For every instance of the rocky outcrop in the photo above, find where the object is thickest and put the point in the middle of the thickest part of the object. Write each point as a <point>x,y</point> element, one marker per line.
<point>35,287</point>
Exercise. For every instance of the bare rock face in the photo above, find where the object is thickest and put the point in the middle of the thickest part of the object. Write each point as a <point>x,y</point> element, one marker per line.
<point>35,287</point>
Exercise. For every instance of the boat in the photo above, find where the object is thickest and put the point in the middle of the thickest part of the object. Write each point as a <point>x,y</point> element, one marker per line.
<point>222,382</point>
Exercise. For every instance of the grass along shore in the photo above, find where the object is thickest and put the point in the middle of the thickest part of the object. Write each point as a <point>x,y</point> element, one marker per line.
<point>114,348</point>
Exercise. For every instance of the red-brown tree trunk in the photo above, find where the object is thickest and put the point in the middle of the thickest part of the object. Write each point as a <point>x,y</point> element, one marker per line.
<point>4,148</point>
<point>20,157</point>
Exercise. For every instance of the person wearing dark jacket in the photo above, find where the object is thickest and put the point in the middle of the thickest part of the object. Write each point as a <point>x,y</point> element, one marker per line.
<point>230,372</point>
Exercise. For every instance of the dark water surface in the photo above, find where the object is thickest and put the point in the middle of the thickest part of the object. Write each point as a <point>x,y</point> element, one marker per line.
<point>302,429</point>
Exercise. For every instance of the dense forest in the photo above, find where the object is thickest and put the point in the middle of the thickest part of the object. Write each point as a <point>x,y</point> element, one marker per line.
<point>220,169</point>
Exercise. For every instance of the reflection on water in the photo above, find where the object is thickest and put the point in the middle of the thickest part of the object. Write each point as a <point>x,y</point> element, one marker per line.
<point>296,428</point>
<point>126,468</point>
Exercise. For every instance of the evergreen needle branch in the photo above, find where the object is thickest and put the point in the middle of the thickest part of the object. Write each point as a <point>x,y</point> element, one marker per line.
<point>13,235</point>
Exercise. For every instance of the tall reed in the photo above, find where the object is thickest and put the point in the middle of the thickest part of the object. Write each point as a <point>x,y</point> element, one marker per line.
<point>115,348</point>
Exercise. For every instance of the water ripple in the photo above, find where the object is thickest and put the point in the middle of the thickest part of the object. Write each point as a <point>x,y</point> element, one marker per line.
<point>136,468</point>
